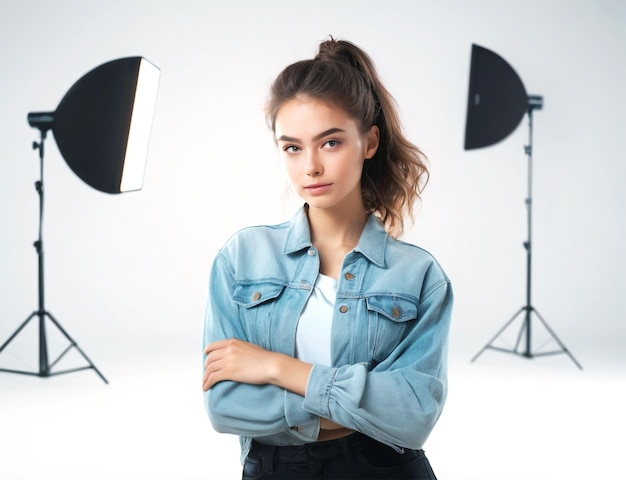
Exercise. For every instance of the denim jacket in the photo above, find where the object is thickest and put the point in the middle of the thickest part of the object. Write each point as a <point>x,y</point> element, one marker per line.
<point>389,336</point>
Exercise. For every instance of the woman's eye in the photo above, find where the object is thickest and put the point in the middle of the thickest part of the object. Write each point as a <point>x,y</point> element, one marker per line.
<point>332,143</point>
<point>291,149</point>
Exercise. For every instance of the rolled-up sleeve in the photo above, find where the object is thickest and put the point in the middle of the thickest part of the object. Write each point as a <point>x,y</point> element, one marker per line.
<point>399,401</point>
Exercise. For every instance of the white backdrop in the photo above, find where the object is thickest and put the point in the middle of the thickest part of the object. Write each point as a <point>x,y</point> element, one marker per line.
<point>126,275</point>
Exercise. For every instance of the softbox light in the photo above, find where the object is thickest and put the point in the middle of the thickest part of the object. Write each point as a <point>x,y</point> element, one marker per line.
<point>496,101</point>
<point>102,125</point>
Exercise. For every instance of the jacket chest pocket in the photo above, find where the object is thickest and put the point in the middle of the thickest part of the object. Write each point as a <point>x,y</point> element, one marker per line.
<point>258,304</point>
<point>389,317</point>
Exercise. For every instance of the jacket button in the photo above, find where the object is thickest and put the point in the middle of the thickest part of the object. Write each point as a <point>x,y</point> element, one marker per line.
<point>256,296</point>
<point>349,276</point>
<point>395,311</point>
<point>343,308</point>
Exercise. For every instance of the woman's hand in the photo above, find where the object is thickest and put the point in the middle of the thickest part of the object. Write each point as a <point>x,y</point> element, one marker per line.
<point>245,362</point>
<point>238,361</point>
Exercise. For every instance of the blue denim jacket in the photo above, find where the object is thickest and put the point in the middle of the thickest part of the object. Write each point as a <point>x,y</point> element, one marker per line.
<point>389,336</point>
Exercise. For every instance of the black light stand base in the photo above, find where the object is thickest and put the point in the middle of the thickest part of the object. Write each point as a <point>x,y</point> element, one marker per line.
<point>526,329</point>
<point>45,368</point>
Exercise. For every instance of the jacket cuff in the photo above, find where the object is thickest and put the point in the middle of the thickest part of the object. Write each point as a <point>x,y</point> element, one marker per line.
<point>302,424</point>
<point>320,384</point>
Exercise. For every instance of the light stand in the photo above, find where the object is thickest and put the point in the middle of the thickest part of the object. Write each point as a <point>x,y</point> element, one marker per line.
<point>496,103</point>
<point>528,309</point>
<point>45,367</point>
<point>102,128</point>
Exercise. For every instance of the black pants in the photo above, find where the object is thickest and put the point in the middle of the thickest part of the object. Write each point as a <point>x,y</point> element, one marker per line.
<point>355,456</point>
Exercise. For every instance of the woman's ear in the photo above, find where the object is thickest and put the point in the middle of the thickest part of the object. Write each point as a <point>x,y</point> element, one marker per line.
<point>373,139</point>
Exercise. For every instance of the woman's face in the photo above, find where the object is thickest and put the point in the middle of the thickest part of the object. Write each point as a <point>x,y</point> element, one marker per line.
<point>323,151</point>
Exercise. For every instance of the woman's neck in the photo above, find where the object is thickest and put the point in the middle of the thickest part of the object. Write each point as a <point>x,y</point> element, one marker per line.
<point>335,235</point>
<point>336,228</point>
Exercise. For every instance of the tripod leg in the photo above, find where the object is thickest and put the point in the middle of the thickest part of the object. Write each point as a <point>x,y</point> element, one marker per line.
<point>498,334</point>
<point>563,347</point>
<point>75,345</point>
<point>18,330</point>
<point>519,336</point>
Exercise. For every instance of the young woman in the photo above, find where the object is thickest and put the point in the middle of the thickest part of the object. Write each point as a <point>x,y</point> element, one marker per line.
<point>326,336</point>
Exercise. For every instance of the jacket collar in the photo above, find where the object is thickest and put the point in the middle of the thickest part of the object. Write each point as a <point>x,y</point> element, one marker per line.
<point>371,244</point>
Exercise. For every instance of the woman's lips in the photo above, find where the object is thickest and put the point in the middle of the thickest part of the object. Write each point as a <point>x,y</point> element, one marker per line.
<point>317,189</point>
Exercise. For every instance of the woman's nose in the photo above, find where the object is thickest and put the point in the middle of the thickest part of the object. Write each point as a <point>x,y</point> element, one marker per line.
<point>313,166</point>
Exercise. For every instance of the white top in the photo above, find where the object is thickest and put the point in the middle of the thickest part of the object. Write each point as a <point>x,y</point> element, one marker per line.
<point>314,326</point>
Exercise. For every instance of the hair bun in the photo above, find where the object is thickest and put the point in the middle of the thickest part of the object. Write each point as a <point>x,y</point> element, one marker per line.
<point>337,51</point>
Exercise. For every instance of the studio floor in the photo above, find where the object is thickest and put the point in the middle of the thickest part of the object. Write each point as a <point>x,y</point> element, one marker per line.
<point>507,418</point>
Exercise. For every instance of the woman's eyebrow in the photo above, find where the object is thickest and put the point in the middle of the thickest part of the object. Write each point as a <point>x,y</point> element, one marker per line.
<point>319,136</point>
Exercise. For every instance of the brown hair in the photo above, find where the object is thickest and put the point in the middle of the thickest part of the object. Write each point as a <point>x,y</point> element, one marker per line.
<point>344,75</point>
